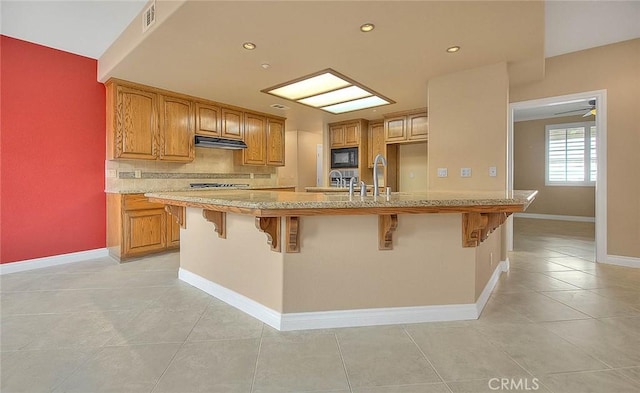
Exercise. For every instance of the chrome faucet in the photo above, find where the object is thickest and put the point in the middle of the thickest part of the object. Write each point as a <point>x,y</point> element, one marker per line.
<point>379,157</point>
<point>363,189</point>
<point>340,180</point>
<point>352,183</point>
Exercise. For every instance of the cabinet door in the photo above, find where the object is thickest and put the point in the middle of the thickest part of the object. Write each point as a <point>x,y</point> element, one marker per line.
<point>255,138</point>
<point>395,129</point>
<point>376,142</point>
<point>352,134</point>
<point>144,231</point>
<point>336,136</point>
<point>136,124</point>
<point>173,232</point>
<point>176,129</point>
<point>275,142</point>
<point>207,120</point>
<point>231,123</point>
<point>418,126</point>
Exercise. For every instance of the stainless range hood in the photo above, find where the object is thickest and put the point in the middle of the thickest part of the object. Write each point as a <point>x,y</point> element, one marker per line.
<point>220,143</point>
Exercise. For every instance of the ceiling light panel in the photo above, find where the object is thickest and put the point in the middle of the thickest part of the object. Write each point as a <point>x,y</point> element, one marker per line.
<point>362,103</point>
<point>310,87</point>
<point>336,96</point>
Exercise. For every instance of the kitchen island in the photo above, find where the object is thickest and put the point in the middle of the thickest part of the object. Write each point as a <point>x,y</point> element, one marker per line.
<point>312,260</point>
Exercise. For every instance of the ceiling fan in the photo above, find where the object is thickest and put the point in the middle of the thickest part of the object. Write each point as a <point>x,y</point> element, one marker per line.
<point>588,111</point>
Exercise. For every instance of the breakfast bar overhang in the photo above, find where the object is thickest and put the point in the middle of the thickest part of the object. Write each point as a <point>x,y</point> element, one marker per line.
<point>311,260</point>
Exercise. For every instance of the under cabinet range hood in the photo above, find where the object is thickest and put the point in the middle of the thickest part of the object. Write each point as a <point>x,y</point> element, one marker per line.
<point>221,143</point>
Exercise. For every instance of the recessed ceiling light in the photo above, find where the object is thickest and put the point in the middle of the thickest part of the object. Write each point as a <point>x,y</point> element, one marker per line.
<point>265,65</point>
<point>453,49</point>
<point>279,106</point>
<point>249,46</point>
<point>330,91</point>
<point>367,27</point>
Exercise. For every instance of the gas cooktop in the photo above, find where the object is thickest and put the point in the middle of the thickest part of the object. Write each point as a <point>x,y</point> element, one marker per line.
<point>216,185</point>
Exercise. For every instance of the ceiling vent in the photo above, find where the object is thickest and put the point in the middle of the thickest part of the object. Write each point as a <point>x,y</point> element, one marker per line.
<point>149,17</point>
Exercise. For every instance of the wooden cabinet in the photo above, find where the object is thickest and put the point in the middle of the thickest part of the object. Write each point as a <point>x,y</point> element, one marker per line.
<point>144,124</point>
<point>207,119</point>
<point>231,126</point>
<point>376,144</point>
<point>344,134</point>
<point>275,142</point>
<point>176,129</point>
<point>255,136</point>
<point>137,227</point>
<point>264,137</point>
<point>406,127</point>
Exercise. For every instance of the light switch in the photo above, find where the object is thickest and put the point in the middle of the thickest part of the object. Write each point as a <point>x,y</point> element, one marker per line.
<point>137,173</point>
<point>442,172</point>
<point>493,171</point>
<point>465,172</point>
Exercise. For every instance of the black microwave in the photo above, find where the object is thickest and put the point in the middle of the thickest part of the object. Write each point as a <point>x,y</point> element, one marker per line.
<point>344,158</point>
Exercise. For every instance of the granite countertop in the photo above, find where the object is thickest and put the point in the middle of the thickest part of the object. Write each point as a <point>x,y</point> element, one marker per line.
<point>274,201</point>
<point>339,189</point>
<point>185,189</point>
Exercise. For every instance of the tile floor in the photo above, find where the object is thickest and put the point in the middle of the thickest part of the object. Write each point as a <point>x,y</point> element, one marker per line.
<point>557,322</point>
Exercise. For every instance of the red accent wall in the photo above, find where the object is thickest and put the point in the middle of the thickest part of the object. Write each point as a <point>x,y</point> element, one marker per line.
<point>52,152</point>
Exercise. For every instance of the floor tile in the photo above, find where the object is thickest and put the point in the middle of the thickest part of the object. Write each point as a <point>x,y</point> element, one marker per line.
<point>299,364</point>
<point>38,371</point>
<point>183,297</point>
<point>463,353</point>
<point>385,355</point>
<point>537,307</point>
<point>57,331</point>
<point>631,373</point>
<point>223,322</point>
<point>135,368</point>
<point>420,388</point>
<point>591,382</point>
<point>581,280</point>
<point>605,342</point>
<point>537,350</point>
<point>572,262</point>
<point>211,367</point>
<point>157,326</point>
<point>627,296</point>
<point>592,304</point>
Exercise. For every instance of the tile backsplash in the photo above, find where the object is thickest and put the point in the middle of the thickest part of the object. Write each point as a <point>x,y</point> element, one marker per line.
<point>209,166</point>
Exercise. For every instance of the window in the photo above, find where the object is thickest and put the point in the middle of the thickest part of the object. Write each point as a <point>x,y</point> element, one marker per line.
<point>571,154</point>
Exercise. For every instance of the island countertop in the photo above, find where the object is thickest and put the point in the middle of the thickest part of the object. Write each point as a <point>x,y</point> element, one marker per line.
<point>274,203</point>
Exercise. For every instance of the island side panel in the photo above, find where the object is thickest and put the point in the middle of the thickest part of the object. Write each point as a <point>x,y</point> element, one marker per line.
<point>488,258</point>
<point>340,267</point>
<point>243,262</point>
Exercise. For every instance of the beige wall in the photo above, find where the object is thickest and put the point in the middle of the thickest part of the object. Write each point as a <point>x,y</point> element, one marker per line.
<point>300,164</point>
<point>468,128</point>
<point>529,172</point>
<point>487,259</point>
<point>615,68</point>
<point>412,167</point>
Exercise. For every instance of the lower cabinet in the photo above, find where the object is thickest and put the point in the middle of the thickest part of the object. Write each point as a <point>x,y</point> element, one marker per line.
<point>137,227</point>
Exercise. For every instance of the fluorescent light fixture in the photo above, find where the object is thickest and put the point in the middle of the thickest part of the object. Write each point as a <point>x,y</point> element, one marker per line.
<point>362,103</point>
<point>336,96</point>
<point>330,91</point>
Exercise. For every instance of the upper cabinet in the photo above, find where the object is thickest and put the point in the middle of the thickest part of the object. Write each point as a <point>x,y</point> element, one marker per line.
<point>146,123</point>
<point>143,124</point>
<point>275,142</point>
<point>412,126</point>
<point>345,134</point>
<point>176,129</point>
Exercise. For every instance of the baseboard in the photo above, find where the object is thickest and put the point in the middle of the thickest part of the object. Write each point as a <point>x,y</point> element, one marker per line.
<point>346,318</point>
<point>555,217</point>
<point>622,261</point>
<point>55,260</point>
<point>241,302</point>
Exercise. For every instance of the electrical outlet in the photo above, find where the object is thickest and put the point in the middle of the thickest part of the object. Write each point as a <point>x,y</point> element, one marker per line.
<point>111,173</point>
<point>465,172</point>
<point>493,171</point>
<point>442,172</point>
<point>137,173</point>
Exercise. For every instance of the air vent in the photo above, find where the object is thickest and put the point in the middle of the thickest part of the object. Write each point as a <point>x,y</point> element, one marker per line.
<point>279,106</point>
<point>149,17</point>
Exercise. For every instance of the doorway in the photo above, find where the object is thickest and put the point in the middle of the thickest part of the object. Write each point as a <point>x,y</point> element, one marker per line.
<point>601,147</point>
